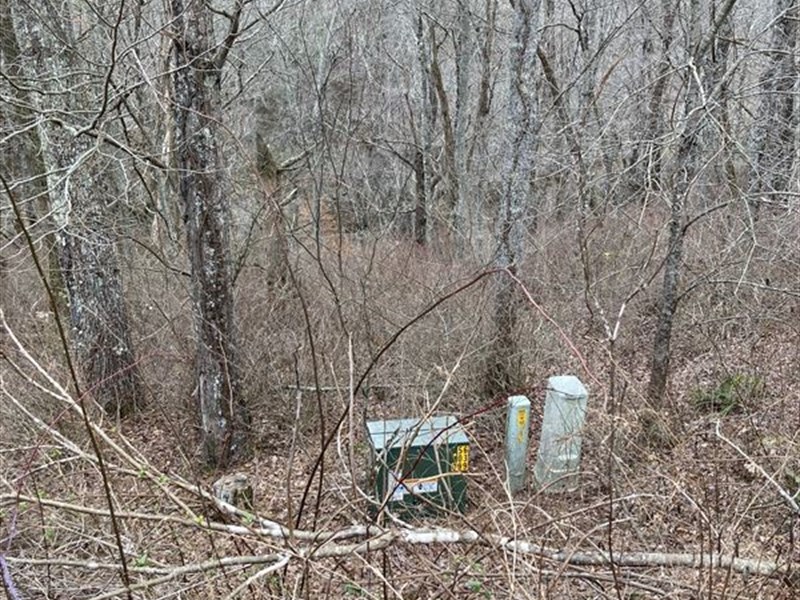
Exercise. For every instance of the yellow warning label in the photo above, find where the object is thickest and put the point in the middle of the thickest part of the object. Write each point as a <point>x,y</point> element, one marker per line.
<point>522,423</point>
<point>461,459</point>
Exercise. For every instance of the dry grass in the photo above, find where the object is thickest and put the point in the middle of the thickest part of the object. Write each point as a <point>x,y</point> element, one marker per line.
<point>674,478</point>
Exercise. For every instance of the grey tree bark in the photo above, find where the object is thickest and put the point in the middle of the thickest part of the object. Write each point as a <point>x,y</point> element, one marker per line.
<point>271,222</point>
<point>517,210</point>
<point>20,156</point>
<point>423,159</point>
<point>647,156</point>
<point>464,49</point>
<point>700,84</point>
<point>197,73</point>
<point>778,115</point>
<point>478,151</point>
<point>721,57</point>
<point>81,184</point>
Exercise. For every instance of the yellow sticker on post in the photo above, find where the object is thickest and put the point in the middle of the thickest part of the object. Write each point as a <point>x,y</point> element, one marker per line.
<point>461,459</point>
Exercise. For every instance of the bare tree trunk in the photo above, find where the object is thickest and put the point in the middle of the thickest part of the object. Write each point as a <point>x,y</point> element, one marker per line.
<point>196,78</point>
<point>22,158</point>
<point>651,147</point>
<point>81,184</point>
<point>721,57</point>
<point>450,171</point>
<point>476,160</point>
<point>276,269</point>
<point>685,169</point>
<point>464,48</point>
<point>100,326</point>
<point>423,159</point>
<point>517,214</point>
<point>668,300</point>
<point>775,133</point>
<point>421,203</point>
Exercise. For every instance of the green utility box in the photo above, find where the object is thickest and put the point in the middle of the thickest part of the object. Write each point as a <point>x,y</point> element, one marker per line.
<point>420,466</point>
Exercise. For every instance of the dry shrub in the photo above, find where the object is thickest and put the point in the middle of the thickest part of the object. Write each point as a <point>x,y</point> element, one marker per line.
<point>653,478</point>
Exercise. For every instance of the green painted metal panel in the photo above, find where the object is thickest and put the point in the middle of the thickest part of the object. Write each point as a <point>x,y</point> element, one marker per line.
<point>420,466</point>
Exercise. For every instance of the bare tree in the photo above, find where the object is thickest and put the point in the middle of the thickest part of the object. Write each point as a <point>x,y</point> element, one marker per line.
<point>23,162</point>
<point>650,148</point>
<point>700,82</point>
<point>271,221</point>
<point>197,97</point>
<point>461,183</point>
<point>778,116</point>
<point>423,159</point>
<point>82,181</point>
<point>517,210</point>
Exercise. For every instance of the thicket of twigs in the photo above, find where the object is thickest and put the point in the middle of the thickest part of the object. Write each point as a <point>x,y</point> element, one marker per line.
<point>697,498</point>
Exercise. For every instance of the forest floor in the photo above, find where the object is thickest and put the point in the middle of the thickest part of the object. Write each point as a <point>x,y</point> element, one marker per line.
<point>714,471</point>
<point>706,482</point>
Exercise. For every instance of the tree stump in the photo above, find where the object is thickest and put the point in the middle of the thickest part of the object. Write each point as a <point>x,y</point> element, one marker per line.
<point>234,489</point>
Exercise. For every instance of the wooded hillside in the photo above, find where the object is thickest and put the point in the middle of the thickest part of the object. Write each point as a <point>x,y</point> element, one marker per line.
<point>234,231</point>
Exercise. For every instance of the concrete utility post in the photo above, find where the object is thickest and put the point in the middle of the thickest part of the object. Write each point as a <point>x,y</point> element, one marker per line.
<point>559,458</point>
<point>517,426</point>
